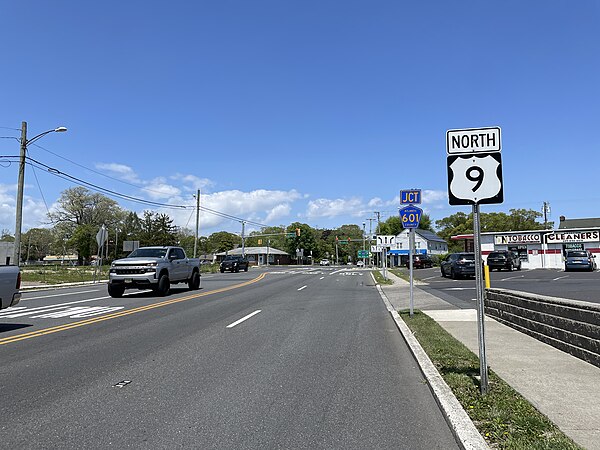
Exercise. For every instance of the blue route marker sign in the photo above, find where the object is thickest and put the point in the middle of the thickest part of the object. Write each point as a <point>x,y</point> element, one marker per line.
<point>411,216</point>
<point>410,197</point>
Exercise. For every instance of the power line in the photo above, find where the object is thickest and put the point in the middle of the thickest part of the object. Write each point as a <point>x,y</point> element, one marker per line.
<point>78,181</point>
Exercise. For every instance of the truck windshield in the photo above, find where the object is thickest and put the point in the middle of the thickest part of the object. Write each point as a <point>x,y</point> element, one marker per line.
<point>148,253</point>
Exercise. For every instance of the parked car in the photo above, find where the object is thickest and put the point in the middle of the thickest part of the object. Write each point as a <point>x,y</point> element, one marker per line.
<point>458,265</point>
<point>580,260</point>
<point>360,264</point>
<point>153,268</point>
<point>234,264</point>
<point>324,262</point>
<point>503,259</point>
<point>420,262</point>
<point>10,283</point>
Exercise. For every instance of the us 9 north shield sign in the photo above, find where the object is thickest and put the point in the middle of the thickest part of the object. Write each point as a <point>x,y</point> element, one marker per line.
<point>475,179</point>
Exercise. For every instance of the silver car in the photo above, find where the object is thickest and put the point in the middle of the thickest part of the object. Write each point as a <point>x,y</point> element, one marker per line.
<point>580,260</point>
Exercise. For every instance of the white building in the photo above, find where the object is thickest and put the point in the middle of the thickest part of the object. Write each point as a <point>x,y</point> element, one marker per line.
<point>426,242</point>
<point>542,248</point>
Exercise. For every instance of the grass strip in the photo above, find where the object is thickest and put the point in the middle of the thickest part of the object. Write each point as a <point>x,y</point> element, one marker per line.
<point>379,278</point>
<point>503,417</point>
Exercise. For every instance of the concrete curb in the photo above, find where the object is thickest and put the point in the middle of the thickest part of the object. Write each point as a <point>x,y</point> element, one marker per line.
<point>460,423</point>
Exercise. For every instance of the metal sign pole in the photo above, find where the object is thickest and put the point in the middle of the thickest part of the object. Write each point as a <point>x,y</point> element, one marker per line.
<point>483,371</point>
<point>411,244</point>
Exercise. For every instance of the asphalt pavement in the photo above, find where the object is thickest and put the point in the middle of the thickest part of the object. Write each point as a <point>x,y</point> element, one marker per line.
<point>562,387</point>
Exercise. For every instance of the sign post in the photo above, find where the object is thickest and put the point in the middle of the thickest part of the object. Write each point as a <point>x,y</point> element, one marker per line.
<point>410,216</point>
<point>474,178</point>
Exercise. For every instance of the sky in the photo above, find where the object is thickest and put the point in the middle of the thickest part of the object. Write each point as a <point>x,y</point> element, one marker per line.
<point>282,111</point>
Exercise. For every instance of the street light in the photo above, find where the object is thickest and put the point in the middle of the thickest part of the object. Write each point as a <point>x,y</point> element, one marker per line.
<point>19,219</point>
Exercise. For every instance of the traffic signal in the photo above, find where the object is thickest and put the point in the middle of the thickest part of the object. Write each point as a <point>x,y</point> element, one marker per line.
<point>348,240</point>
<point>298,232</point>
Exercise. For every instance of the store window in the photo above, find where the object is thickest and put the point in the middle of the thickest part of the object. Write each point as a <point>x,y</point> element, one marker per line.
<point>521,250</point>
<point>572,246</point>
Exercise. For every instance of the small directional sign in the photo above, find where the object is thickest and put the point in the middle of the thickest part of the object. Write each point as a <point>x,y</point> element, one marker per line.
<point>411,216</point>
<point>410,197</point>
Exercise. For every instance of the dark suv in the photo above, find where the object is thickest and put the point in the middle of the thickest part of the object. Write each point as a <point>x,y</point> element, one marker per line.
<point>503,259</point>
<point>234,264</point>
<point>458,265</point>
<point>420,262</point>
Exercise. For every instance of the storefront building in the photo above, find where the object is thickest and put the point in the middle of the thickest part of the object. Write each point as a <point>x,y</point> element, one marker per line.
<point>539,248</point>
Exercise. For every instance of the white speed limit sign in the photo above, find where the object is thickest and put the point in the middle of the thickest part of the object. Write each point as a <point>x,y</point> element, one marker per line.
<point>475,178</point>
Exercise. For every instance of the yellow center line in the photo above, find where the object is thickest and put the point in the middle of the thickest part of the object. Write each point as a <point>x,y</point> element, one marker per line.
<point>67,326</point>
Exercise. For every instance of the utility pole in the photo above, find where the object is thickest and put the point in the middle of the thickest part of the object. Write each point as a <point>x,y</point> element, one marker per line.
<point>21,181</point>
<point>546,210</point>
<point>243,240</point>
<point>197,221</point>
<point>370,219</point>
<point>20,185</point>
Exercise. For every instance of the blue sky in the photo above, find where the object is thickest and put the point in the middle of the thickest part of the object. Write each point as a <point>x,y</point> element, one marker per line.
<point>314,111</point>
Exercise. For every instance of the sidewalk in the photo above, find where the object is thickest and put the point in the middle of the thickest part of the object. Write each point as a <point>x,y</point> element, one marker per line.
<point>564,388</point>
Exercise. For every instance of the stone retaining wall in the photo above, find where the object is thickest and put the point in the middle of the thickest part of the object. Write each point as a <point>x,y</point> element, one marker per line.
<point>569,325</point>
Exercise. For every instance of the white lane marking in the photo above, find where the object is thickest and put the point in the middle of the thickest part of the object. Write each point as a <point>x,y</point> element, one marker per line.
<point>303,287</point>
<point>513,278</point>
<point>60,295</point>
<point>336,271</point>
<point>19,311</point>
<point>237,322</point>
<point>321,278</point>
<point>429,278</point>
<point>79,312</point>
<point>559,278</point>
<point>458,289</point>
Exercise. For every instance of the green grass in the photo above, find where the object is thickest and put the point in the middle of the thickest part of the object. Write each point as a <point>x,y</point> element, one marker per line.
<point>503,416</point>
<point>57,274</point>
<point>379,278</point>
<point>401,274</point>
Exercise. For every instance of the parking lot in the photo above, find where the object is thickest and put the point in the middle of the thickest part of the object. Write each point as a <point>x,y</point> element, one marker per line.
<point>551,282</point>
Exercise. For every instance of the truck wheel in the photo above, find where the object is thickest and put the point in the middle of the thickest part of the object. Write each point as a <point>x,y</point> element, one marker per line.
<point>115,291</point>
<point>222,270</point>
<point>164,285</point>
<point>246,269</point>
<point>453,274</point>
<point>194,281</point>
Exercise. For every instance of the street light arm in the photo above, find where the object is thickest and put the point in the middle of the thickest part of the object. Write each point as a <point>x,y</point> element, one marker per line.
<point>55,130</point>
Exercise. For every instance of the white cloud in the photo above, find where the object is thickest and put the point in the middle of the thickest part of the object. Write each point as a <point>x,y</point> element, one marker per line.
<point>323,207</point>
<point>120,170</point>
<point>278,212</point>
<point>34,210</point>
<point>192,182</point>
<point>432,197</point>
<point>159,189</point>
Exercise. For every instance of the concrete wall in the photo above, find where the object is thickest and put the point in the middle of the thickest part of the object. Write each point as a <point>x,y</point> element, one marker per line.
<point>569,325</point>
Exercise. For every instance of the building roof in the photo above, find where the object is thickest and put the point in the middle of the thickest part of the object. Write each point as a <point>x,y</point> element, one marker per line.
<point>578,223</point>
<point>427,235</point>
<point>253,251</point>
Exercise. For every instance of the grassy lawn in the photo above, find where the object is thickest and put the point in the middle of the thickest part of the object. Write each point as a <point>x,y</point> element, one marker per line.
<point>77,274</point>
<point>503,416</point>
<point>379,278</point>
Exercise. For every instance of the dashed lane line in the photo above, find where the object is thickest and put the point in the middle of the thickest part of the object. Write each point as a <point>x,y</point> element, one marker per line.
<point>243,319</point>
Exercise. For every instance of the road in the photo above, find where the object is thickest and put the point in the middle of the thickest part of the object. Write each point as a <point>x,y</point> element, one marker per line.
<point>300,358</point>
<point>551,282</point>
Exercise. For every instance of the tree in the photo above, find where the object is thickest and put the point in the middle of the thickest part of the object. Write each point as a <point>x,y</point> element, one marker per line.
<point>6,236</point>
<point>38,243</point>
<point>461,223</point>
<point>307,240</point>
<point>157,229</point>
<point>79,206</point>
<point>223,241</point>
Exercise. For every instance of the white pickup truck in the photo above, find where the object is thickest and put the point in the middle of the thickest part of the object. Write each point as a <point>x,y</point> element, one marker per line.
<point>10,283</point>
<point>153,268</point>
